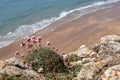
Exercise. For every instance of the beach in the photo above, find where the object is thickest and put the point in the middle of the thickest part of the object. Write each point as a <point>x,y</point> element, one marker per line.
<point>86,30</point>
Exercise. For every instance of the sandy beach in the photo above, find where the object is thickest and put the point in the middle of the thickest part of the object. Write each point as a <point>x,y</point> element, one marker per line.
<point>87,29</point>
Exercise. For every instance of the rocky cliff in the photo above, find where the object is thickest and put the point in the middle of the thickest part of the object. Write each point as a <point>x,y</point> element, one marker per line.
<point>99,62</point>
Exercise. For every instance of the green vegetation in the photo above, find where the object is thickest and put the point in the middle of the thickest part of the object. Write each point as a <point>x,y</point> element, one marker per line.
<point>7,77</point>
<point>46,59</point>
<point>96,48</point>
<point>73,58</point>
<point>17,78</point>
<point>53,66</point>
<point>70,75</point>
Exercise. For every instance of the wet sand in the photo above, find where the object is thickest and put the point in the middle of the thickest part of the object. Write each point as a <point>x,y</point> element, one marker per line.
<point>87,30</point>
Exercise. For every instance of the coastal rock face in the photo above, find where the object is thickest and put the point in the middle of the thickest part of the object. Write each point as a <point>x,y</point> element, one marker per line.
<point>101,61</point>
<point>98,62</point>
<point>15,66</point>
<point>90,70</point>
<point>83,51</point>
<point>110,38</point>
<point>17,61</point>
<point>112,73</point>
<point>107,55</point>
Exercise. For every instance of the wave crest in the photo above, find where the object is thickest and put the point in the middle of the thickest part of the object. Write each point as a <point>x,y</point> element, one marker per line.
<point>30,29</point>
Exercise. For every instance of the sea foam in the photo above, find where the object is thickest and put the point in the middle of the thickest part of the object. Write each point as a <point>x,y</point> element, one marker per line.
<point>30,29</point>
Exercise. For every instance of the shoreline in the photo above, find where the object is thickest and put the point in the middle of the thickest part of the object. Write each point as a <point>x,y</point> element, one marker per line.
<point>69,36</point>
<point>64,17</point>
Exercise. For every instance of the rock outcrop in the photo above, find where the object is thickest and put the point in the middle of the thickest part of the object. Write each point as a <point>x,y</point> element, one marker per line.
<point>16,66</point>
<point>99,62</point>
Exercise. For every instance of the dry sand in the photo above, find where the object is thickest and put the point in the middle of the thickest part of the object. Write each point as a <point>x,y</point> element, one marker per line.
<point>87,30</point>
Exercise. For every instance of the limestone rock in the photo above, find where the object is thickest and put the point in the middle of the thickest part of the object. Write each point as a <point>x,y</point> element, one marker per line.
<point>3,64</point>
<point>84,51</point>
<point>76,63</point>
<point>33,75</point>
<point>15,66</point>
<point>111,47</point>
<point>87,60</point>
<point>17,61</point>
<point>108,53</point>
<point>112,73</point>
<point>100,62</point>
<point>89,70</point>
<point>13,71</point>
<point>110,38</point>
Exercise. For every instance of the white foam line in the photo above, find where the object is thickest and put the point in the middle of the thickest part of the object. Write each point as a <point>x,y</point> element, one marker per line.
<point>5,43</point>
<point>30,29</point>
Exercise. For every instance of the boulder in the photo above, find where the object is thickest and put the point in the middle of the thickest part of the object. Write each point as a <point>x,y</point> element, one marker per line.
<point>12,71</point>
<point>15,66</point>
<point>89,70</point>
<point>109,38</point>
<point>112,73</point>
<point>110,47</point>
<point>108,54</point>
<point>18,62</point>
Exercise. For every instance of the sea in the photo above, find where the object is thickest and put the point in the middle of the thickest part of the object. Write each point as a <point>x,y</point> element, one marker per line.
<point>25,17</point>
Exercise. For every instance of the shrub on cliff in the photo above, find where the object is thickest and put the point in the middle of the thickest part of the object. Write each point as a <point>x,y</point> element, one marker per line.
<point>73,58</point>
<point>42,57</point>
<point>7,77</point>
<point>47,59</point>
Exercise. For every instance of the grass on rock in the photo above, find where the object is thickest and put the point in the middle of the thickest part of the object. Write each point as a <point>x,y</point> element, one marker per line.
<point>73,58</point>
<point>7,77</point>
<point>46,59</point>
<point>52,64</point>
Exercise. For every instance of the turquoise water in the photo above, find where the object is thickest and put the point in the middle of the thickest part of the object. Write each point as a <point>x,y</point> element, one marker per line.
<point>25,17</point>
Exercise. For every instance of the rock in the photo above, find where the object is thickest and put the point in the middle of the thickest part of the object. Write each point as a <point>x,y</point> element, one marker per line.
<point>111,49</point>
<point>18,62</point>
<point>87,60</point>
<point>95,60</point>
<point>32,74</point>
<point>12,71</point>
<point>66,55</point>
<point>15,66</point>
<point>108,53</point>
<point>40,70</point>
<point>81,62</point>
<point>100,62</point>
<point>111,46</point>
<point>3,64</point>
<point>76,63</point>
<point>89,70</point>
<point>112,73</point>
<point>110,38</point>
<point>84,51</point>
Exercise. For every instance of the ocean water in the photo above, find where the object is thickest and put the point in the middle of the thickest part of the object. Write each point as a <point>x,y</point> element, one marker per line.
<point>24,17</point>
